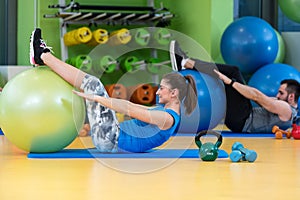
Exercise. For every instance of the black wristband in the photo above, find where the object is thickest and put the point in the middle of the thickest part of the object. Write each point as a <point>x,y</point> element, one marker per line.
<point>232,81</point>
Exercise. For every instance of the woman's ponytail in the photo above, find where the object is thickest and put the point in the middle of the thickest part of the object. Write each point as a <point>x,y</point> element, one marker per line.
<point>190,101</point>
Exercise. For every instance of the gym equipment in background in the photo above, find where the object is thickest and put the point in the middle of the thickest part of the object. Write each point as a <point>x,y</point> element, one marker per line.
<point>154,65</point>
<point>162,36</point>
<point>279,133</point>
<point>106,64</point>
<point>281,48</point>
<point>119,37</point>
<point>131,64</point>
<point>142,36</point>
<point>141,94</point>
<point>267,79</point>
<point>99,36</point>
<point>296,131</point>
<point>83,62</point>
<point>249,43</point>
<point>291,9</point>
<point>78,36</point>
<point>117,90</point>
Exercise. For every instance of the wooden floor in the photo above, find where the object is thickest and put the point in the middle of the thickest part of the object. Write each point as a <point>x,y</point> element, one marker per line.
<point>274,175</point>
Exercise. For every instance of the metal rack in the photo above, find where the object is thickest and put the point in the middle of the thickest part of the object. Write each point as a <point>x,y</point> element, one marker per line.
<point>111,18</point>
<point>111,15</point>
<point>75,13</point>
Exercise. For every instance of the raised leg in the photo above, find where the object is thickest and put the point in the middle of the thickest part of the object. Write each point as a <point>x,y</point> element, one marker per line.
<point>103,121</point>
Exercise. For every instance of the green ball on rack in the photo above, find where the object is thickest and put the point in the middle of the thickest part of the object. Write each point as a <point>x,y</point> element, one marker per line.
<point>153,65</point>
<point>163,36</point>
<point>107,64</point>
<point>130,64</point>
<point>82,62</point>
<point>142,36</point>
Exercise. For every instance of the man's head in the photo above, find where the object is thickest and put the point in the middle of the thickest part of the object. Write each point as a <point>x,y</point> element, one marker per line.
<point>289,91</point>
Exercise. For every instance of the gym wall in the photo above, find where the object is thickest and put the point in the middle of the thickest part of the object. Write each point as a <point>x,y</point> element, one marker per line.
<point>203,20</point>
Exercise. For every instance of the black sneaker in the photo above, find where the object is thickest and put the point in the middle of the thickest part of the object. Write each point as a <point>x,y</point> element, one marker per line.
<point>37,47</point>
<point>176,55</point>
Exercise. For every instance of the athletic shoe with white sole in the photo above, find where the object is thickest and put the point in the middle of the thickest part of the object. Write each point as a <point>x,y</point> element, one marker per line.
<point>37,47</point>
<point>176,56</point>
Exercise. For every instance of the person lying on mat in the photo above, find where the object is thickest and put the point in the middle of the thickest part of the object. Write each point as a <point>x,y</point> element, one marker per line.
<point>240,115</point>
<point>150,128</point>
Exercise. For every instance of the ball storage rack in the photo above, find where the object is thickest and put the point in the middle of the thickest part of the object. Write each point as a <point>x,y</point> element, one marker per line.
<point>76,13</point>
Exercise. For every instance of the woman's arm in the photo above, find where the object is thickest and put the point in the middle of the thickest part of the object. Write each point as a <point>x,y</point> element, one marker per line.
<point>160,118</point>
<point>279,107</point>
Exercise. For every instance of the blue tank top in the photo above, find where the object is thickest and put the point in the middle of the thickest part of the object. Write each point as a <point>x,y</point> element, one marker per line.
<point>138,136</point>
<point>262,121</point>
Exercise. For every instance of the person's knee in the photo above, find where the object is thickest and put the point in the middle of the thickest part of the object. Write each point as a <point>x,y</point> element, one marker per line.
<point>93,85</point>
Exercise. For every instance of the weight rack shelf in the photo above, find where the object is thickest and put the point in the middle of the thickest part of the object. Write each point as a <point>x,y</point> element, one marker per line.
<point>110,18</point>
<point>75,13</point>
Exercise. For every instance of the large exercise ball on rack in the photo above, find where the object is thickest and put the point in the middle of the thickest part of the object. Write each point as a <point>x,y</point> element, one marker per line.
<point>211,106</point>
<point>291,9</point>
<point>267,79</point>
<point>38,111</point>
<point>249,43</point>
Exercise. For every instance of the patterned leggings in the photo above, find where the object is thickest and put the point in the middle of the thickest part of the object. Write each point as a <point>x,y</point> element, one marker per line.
<point>103,121</point>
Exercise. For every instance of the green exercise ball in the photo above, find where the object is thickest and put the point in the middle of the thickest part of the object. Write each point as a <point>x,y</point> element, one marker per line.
<point>39,112</point>
<point>2,81</point>
<point>281,49</point>
<point>291,9</point>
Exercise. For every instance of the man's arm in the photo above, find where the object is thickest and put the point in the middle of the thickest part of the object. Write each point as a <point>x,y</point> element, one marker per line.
<point>279,107</point>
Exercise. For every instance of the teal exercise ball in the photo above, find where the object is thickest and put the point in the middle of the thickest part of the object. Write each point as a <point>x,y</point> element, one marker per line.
<point>291,9</point>
<point>39,112</point>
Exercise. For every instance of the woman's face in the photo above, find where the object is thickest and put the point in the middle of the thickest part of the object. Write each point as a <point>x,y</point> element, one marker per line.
<point>164,92</point>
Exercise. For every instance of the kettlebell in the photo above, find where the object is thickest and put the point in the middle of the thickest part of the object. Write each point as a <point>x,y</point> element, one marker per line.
<point>208,151</point>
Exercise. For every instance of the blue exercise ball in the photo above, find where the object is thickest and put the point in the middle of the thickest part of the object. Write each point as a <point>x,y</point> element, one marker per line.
<point>211,106</point>
<point>249,43</point>
<point>267,79</point>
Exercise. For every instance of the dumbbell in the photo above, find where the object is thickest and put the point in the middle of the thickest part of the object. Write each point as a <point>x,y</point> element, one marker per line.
<point>239,153</point>
<point>279,133</point>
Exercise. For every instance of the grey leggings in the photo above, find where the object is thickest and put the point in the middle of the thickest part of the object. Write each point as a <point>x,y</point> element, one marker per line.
<point>103,121</point>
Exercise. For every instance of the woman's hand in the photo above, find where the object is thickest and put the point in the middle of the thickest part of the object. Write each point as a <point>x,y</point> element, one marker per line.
<point>90,97</point>
<point>224,78</point>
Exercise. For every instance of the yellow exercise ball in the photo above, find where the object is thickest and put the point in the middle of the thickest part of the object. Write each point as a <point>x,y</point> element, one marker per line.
<point>38,111</point>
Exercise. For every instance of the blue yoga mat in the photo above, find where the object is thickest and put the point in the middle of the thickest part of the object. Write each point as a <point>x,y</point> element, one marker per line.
<point>93,153</point>
<point>1,132</point>
<point>232,134</point>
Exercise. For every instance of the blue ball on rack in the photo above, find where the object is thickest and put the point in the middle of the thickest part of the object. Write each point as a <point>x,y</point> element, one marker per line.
<point>249,43</point>
<point>267,79</point>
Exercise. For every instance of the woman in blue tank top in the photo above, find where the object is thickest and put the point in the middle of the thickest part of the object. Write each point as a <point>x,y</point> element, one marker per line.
<point>150,127</point>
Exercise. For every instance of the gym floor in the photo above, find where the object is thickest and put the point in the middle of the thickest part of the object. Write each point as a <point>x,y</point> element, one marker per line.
<point>274,175</point>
